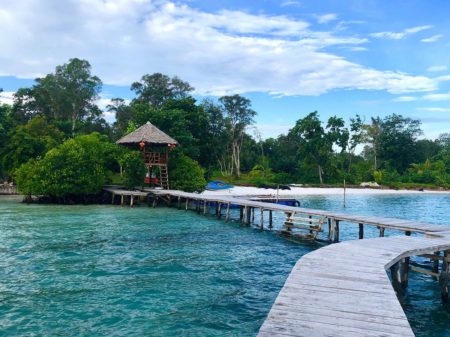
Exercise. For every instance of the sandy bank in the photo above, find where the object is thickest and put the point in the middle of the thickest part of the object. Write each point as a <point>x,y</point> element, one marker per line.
<point>298,191</point>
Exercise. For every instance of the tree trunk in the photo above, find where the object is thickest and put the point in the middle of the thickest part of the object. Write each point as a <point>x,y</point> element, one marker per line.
<point>320,175</point>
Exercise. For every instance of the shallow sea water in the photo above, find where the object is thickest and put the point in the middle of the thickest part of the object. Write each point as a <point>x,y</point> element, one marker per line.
<point>112,271</point>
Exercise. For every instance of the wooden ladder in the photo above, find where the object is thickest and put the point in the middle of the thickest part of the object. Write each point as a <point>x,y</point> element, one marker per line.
<point>304,227</point>
<point>164,177</point>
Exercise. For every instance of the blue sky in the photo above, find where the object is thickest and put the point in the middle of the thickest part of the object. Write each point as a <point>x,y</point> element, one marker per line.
<point>340,57</point>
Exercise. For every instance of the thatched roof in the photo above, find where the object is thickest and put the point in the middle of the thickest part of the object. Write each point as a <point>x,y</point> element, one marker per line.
<point>147,133</point>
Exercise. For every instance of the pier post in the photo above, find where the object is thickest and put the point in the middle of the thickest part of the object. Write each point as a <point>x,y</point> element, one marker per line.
<point>247,215</point>
<point>436,262</point>
<point>270,219</point>
<point>404,272</point>
<point>155,201</point>
<point>187,204</point>
<point>399,273</point>
<point>361,231</point>
<point>253,215</point>
<point>113,195</point>
<point>261,221</point>
<point>330,230</point>
<point>131,200</point>
<point>227,218</point>
<point>444,278</point>
<point>197,206</point>
<point>219,210</point>
<point>381,231</point>
<point>121,200</point>
<point>204,207</point>
<point>179,202</point>
<point>336,230</point>
<point>241,214</point>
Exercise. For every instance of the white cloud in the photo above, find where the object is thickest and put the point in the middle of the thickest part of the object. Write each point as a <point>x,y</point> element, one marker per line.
<point>434,109</point>
<point>400,35</point>
<point>433,38</point>
<point>437,68</point>
<point>273,130</point>
<point>359,49</point>
<point>218,53</point>
<point>289,3</point>
<point>325,18</point>
<point>6,97</point>
<point>437,97</point>
<point>405,99</point>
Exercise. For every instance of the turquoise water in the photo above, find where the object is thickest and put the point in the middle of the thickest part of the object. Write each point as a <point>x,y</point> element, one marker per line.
<point>111,271</point>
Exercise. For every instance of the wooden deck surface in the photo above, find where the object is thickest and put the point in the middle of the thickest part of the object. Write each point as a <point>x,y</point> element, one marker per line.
<point>343,290</point>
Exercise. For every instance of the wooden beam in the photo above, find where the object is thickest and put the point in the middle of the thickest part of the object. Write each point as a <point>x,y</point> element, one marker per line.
<point>444,278</point>
<point>261,220</point>
<point>361,231</point>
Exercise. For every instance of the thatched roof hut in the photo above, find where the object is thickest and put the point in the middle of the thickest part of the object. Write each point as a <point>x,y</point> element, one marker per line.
<point>149,134</point>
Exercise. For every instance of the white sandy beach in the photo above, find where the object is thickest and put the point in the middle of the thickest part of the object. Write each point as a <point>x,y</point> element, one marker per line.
<point>298,191</point>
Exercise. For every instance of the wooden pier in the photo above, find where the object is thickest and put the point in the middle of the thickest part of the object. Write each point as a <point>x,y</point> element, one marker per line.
<point>341,289</point>
<point>344,289</point>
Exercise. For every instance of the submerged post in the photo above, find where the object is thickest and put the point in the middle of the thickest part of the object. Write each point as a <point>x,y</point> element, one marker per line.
<point>361,231</point>
<point>219,210</point>
<point>399,273</point>
<point>444,278</point>
<point>261,220</point>
<point>381,231</point>
<point>247,215</point>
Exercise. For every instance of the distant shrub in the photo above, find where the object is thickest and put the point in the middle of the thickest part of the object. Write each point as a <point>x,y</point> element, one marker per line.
<point>75,168</point>
<point>187,175</point>
<point>133,169</point>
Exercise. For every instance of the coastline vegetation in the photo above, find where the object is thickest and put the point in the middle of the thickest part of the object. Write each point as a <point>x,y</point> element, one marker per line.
<point>55,142</point>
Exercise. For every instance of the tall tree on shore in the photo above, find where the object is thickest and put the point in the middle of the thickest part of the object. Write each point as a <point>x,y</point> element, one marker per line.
<point>68,94</point>
<point>314,146</point>
<point>158,88</point>
<point>239,115</point>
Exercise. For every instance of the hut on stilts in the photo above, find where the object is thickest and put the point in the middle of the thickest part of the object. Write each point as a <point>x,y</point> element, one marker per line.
<point>154,146</point>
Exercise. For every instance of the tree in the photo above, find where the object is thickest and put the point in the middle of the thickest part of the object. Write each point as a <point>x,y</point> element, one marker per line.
<point>158,88</point>
<point>187,175</point>
<point>29,141</point>
<point>133,169</point>
<point>68,94</point>
<point>371,136</point>
<point>123,112</point>
<point>76,168</point>
<point>314,144</point>
<point>239,115</point>
<point>356,138</point>
<point>397,141</point>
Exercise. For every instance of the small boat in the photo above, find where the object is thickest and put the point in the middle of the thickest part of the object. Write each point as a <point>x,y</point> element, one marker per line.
<point>218,185</point>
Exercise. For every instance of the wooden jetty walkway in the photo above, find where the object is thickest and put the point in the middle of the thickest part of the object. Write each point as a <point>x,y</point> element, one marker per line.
<point>344,289</point>
<point>341,289</point>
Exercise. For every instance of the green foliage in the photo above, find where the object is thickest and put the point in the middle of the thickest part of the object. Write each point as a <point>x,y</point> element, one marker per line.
<point>29,141</point>
<point>77,167</point>
<point>68,94</point>
<point>133,169</point>
<point>187,175</point>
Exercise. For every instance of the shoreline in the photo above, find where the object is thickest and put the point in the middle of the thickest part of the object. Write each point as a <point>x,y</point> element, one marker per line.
<point>300,191</point>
